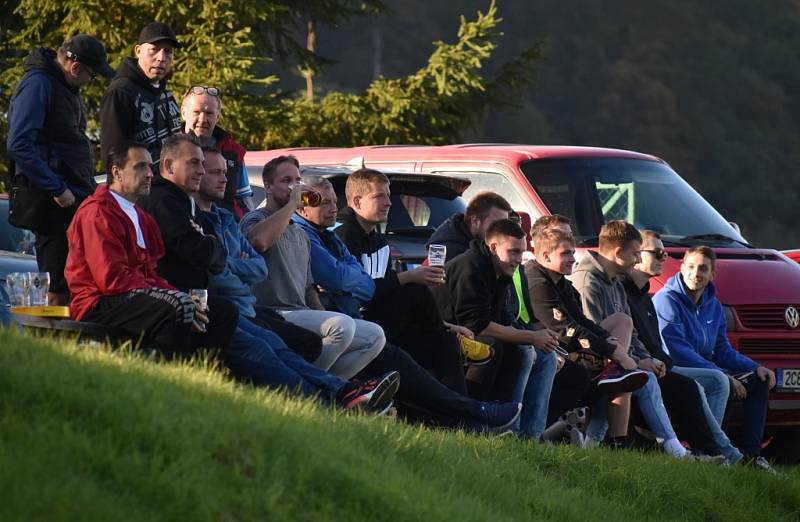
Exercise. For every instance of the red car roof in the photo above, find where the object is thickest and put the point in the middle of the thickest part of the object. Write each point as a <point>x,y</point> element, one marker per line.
<point>475,151</point>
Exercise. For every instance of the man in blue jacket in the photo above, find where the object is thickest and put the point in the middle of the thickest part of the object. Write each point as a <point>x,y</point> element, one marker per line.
<point>692,325</point>
<point>244,266</point>
<point>53,164</point>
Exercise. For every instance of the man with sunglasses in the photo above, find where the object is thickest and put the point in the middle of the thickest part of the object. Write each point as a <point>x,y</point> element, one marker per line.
<point>201,110</point>
<point>137,105</point>
<point>684,399</point>
<point>53,168</point>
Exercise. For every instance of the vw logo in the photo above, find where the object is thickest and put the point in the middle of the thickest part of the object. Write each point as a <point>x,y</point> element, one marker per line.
<point>792,317</point>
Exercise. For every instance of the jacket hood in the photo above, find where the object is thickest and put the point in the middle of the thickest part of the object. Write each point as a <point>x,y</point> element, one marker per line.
<point>453,230</point>
<point>129,70</point>
<point>45,60</point>
<point>347,215</point>
<point>589,263</point>
<point>675,284</point>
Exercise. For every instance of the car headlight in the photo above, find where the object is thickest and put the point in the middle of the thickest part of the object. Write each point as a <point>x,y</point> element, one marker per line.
<point>730,319</point>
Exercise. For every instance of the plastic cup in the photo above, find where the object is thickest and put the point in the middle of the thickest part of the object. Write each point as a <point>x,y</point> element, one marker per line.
<point>40,284</point>
<point>437,254</point>
<point>15,286</point>
<point>200,297</point>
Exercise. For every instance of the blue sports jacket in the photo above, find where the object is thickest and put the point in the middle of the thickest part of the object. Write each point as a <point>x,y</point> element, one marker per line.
<point>336,270</point>
<point>240,273</point>
<point>693,333</point>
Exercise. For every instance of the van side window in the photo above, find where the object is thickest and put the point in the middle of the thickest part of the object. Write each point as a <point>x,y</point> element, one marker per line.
<point>482,181</point>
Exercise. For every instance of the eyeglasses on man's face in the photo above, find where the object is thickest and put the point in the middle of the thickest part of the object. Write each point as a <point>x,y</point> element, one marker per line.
<point>659,253</point>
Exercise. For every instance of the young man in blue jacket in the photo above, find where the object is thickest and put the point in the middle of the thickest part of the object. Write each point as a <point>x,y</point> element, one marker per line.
<point>693,327</point>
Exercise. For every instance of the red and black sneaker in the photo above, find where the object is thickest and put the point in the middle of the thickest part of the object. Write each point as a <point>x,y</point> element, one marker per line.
<point>614,380</point>
<point>374,395</point>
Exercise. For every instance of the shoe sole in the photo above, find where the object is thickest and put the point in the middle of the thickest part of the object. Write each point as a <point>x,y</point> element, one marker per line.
<point>381,397</point>
<point>623,384</point>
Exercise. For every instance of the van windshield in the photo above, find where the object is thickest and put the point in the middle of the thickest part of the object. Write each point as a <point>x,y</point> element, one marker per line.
<point>648,194</point>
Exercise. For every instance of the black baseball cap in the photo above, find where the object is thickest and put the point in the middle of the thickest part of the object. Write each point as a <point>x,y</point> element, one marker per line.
<point>88,50</point>
<point>157,31</point>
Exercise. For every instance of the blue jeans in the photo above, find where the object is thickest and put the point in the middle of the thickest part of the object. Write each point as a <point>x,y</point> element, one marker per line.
<point>533,387</point>
<point>715,384</point>
<point>259,356</point>
<point>648,397</point>
<point>732,454</point>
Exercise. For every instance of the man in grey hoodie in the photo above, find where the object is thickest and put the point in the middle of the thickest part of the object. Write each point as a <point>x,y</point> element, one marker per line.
<point>602,295</point>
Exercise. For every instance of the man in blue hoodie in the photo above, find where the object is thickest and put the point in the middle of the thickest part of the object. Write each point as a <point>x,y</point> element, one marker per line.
<point>692,325</point>
<point>53,165</point>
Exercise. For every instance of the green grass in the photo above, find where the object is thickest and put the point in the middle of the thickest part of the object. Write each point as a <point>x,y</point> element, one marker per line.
<point>87,434</point>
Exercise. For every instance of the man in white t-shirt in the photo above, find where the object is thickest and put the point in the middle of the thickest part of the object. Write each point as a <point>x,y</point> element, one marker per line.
<point>111,267</point>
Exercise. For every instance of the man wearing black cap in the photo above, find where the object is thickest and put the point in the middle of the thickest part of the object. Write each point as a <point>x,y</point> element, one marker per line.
<point>137,105</point>
<point>53,165</point>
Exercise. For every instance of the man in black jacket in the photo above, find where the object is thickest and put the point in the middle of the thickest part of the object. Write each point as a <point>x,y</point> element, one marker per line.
<point>456,232</point>
<point>137,105</point>
<point>192,255</point>
<point>683,397</point>
<point>53,164</point>
<point>475,296</point>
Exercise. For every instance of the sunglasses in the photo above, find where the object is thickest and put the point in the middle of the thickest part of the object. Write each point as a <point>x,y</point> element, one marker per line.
<point>200,89</point>
<point>659,253</point>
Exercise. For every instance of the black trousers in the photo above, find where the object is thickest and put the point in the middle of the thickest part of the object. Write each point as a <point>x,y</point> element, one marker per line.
<point>570,387</point>
<point>421,388</point>
<point>164,318</point>
<point>305,342</point>
<point>52,246</point>
<point>411,319</point>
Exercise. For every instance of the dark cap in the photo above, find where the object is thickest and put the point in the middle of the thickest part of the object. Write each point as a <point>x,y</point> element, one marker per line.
<point>89,51</point>
<point>157,31</point>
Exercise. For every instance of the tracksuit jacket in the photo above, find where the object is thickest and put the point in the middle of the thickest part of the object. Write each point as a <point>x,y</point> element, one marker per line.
<point>133,109</point>
<point>104,258</point>
<point>47,129</point>
<point>695,333</point>
<point>334,268</point>
<point>372,250</point>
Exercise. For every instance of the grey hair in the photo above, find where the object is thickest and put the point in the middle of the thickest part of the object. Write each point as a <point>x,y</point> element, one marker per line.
<point>317,182</point>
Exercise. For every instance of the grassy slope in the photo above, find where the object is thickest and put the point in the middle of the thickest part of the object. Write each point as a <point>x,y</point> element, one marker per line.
<point>89,435</point>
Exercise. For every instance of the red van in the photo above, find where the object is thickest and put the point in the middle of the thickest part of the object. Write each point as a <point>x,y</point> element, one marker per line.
<point>759,287</point>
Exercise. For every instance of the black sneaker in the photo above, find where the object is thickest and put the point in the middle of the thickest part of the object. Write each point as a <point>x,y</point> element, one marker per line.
<point>615,379</point>
<point>499,415</point>
<point>374,395</point>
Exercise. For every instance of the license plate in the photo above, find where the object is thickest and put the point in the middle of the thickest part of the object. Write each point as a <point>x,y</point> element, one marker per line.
<point>789,378</point>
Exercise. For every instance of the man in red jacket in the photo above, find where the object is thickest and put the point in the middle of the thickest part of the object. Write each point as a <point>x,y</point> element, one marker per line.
<point>114,248</point>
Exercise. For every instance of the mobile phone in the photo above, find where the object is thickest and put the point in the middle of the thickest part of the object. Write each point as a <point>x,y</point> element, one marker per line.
<point>742,376</point>
<point>562,352</point>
